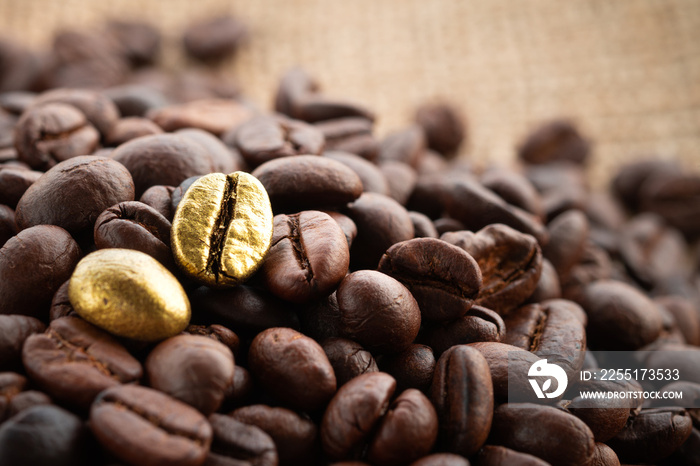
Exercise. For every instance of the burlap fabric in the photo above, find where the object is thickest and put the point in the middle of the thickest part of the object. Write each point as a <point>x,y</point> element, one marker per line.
<point>627,71</point>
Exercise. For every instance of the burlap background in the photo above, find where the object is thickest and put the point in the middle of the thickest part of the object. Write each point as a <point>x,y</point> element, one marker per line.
<point>628,71</point>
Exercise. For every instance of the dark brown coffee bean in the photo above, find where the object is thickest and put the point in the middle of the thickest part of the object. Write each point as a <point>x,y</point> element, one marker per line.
<point>295,436</point>
<point>444,127</point>
<point>346,224</point>
<point>162,159</point>
<point>479,324</point>
<point>510,263</point>
<point>543,431</point>
<point>14,183</point>
<point>492,455</point>
<point>401,178</point>
<point>247,310</point>
<point>629,179</point>
<point>33,264</point>
<point>160,198</point>
<point>88,185</point>
<point>652,434</point>
<point>373,180</point>
<point>308,182</point>
<point>555,140</point>
<point>423,227</point>
<point>508,365</point>
<point>308,258</point>
<point>675,199</point>
<point>193,369</point>
<point>8,226</point>
<point>347,423</point>
<point>242,388</point>
<point>225,159</point>
<point>293,368</point>
<point>595,264</point>
<point>139,41</point>
<point>443,278</point>
<point>515,189</point>
<point>14,330</point>
<point>548,286</point>
<point>44,435</point>
<point>126,129</point>
<point>689,452</point>
<point>407,146</point>
<point>381,222</point>
<point>603,455</point>
<point>235,443</point>
<point>295,85</point>
<point>135,100</point>
<point>672,356</point>
<point>445,224</point>
<point>142,426</point>
<point>74,361</point>
<point>214,39</point>
<point>265,138</point>
<point>605,417</point>
<point>568,234</point>
<point>317,107</point>
<point>429,196</point>
<point>25,400</point>
<point>134,225</point>
<point>619,317</point>
<point>685,316</point>
<point>441,459</point>
<point>412,368</point>
<point>350,134</point>
<point>48,134</point>
<point>98,109</point>
<point>321,319</point>
<point>60,303</point>
<point>217,333</point>
<point>348,358</point>
<point>215,116</point>
<point>377,311</point>
<point>20,67</point>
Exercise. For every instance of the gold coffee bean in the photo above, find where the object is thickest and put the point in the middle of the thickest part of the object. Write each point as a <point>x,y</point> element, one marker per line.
<point>130,294</point>
<point>222,229</point>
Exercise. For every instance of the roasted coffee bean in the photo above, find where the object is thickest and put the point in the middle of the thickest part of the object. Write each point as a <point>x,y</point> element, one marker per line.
<point>134,225</point>
<point>129,294</point>
<point>595,265</point>
<point>193,369</point>
<point>88,185</point>
<point>492,455</point>
<point>685,316</point>
<point>412,368</point>
<point>308,258</point>
<point>442,278</point>
<point>217,333</point>
<point>406,145</point>
<point>8,226</point>
<point>381,222</point>
<point>568,234</point>
<point>515,189</point>
<point>126,129</point>
<point>652,434</point>
<point>14,183</point>
<point>552,141</point>
<point>162,159</point>
<point>222,229</point>
<point>25,400</point>
<point>675,199</point>
<point>321,319</point>
<point>373,180</point>
<point>215,116</point>
<point>672,356</point>
<point>443,125</point>
<point>510,263</point>
<point>445,224</point>
<point>689,452</point>
<point>98,109</point>
<point>242,389</point>
<point>628,181</point>
<point>14,330</point>
<point>605,417</point>
<point>179,192</point>
<point>160,198</point>
<point>33,264</point>
<point>60,303</point>
<point>295,436</point>
<point>548,286</point>
<point>441,459</point>
<point>308,182</point>
<point>348,358</point>
<point>236,443</point>
<point>543,431</point>
<point>214,39</point>
<point>401,179</point>
<point>48,134</point>
<point>619,316</point>
<point>316,107</point>
<point>247,310</point>
<point>562,185</point>
<point>295,85</point>
<point>265,138</point>
<point>603,455</point>
<point>44,435</point>
<point>225,159</point>
<point>346,224</point>
<point>508,365</point>
<point>142,426</point>
<point>347,423</point>
<point>293,368</point>
<point>135,100</point>
<point>377,311</point>
<point>350,134</point>
<point>462,393</point>
<point>16,102</point>
<point>139,41</point>
<point>74,361</point>
<point>477,325</point>
<point>423,227</point>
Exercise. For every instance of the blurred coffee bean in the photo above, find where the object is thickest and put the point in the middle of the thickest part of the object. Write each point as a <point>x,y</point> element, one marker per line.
<point>443,125</point>
<point>8,226</point>
<point>14,330</point>
<point>555,140</point>
<point>373,179</point>
<point>493,455</point>
<point>508,365</point>
<point>350,134</point>
<point>423,227</point>
<point>568,234</point>
<point>139,41</point>
<point>214,39</point>
<point>14,183</point>
<point>160,198</point>
<point>401,179</point>
<point>215,116</point>
<point>405,146</point>
<point>126,129</point>
<point>348,358</point>
<point>134,100</point>
<point>412,368</point>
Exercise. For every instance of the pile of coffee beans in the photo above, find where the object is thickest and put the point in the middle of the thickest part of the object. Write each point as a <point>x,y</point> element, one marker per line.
<point>186,279</point>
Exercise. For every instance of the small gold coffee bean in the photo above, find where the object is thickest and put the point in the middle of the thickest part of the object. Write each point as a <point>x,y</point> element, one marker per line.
<point>129,294</point>
<point>222,229</point>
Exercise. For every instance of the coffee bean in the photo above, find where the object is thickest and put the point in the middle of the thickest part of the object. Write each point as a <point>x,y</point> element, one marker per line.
<point>493,455</point>
<point>295,85</point>
<point>401,178</point>
<point>407,146</point>
<point>237,443</point>
<point>477,325</point>
<point>348,358</point>
<point>88,185</point>
<point>44,435</point>
<point>515,189</point>
<point>568,234</point>
<point>423,227</point>
<point>595,264</point>
<point>350,134</point>
<point>377,311</point>
<point>60,303</point>
<point>8,226</point>
<point>321,319</point>
<point>142,426</point>
<point>308,182</point>
<point>510,263</point>
<point>605,417</point>
<point>509,366</point>
<point>159,197</point>
<point>412,368</point>
<point>217,333</point>
<point>135,100</point>
<point>555,140</point>
<point>443,125</point>
<point>373,180</point>
<point>462,393</point>
<point>689,452</point>
<point>126,129</point>
<point>130,294</point>
<point>14,183</point>
<point>242,389</point>
<point>48,134</point>
<point>548,286</point>
<point>214,39</point>
<point>14,330</point>
<point>685,315</point>
<point>293,368</point>
<point>295,436</point>
<point>193,369</point>
<point>346,224</point>
<point>139,41</point>
<point>98,109</point>
<point>74,361</point>
<point>308,258</point>
<point>225,159</point>
<point>675,199</point>
<point>33,264</point>
<point>543,431</point>
<point>441,459</point>
<point>222,229</point>
<point>628,181</point>
<point>215,116</point>
<point>316,107</point>
<point>442,278</point>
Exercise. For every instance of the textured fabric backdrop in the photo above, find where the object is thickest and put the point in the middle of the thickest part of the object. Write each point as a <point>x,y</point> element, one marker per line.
<point>627,71</point>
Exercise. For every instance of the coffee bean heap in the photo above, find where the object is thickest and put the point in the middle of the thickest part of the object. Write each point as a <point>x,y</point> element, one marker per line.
<point>345,299</point>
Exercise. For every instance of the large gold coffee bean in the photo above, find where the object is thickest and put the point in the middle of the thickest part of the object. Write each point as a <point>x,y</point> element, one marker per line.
<point>222,229</point>
<point>130,294</point>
